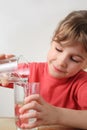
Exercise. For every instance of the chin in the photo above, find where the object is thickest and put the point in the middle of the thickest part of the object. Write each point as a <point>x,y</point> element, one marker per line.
<point>57,76</point>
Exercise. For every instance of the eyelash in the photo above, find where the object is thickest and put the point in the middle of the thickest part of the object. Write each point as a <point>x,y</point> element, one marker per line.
<point>74,60</point>
<point>70,58</point>
<point>58,50</point>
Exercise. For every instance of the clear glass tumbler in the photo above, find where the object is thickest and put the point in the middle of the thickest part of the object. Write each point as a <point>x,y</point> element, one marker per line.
<point>21,90</point>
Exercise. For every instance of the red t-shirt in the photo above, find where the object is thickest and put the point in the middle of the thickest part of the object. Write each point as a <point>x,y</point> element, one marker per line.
<point>67,93</point>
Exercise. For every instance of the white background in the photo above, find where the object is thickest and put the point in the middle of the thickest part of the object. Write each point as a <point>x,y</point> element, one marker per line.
<point>26,27</point>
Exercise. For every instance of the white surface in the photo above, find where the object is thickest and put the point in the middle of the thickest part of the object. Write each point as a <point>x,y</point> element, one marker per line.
<point>26,27</point>
<point>6,102</point>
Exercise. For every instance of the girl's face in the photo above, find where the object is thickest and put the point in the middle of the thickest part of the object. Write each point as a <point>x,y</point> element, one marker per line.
<point>66,61</point>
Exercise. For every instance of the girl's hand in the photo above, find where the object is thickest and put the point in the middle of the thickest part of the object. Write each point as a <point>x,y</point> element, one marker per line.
<point>44,113</point>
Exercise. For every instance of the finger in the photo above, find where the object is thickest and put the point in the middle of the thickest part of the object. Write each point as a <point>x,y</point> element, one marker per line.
<point>36,124</point>
<point>32,105</point>
<point>34,97</point>
<point>9,56</point>
<point>30,114</point>
<point>6,56</point>
<point>4,81</point>
<point>2,56</point>
<point>29,126</point>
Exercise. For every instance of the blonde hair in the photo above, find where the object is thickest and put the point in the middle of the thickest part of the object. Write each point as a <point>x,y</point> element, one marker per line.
<point>73,29</point>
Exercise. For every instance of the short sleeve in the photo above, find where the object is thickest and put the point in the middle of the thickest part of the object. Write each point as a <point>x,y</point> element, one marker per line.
<point>82,96</point>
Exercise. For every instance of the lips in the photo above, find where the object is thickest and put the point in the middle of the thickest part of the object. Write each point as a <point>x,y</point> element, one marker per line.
<point>58,70</point>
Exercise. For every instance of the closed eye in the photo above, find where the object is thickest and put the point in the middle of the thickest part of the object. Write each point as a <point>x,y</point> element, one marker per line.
<point>59,50</point>
<point>77,61</point>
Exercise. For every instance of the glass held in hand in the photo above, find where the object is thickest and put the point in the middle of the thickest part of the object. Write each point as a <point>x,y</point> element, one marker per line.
<point>19,94</point>
<point>34,88</point>
<point>22,90</point>
<point>14,69</point>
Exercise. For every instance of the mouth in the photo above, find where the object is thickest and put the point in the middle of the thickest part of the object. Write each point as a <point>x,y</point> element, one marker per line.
<point>58,70</point>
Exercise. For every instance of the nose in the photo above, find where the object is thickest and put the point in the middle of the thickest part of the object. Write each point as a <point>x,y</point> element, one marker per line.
<point>62,61</point>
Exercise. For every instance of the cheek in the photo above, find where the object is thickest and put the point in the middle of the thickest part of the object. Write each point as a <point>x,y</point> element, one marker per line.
<point>73,69</point>
<point>51,55</point>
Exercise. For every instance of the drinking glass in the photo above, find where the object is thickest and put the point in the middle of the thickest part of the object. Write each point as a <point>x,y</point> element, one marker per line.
<point>21,90</point>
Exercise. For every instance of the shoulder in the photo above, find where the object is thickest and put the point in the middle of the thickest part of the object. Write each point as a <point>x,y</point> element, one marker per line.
<point>80,81</point>
<point>80,76</point>
<point>36,70</point>
<point>82,89</point>
<point>37,65</point>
